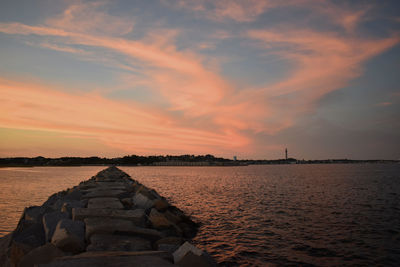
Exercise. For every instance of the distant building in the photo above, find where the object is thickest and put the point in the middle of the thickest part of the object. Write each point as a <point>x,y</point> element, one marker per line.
<point>234,158</point>
<point>286,154</point>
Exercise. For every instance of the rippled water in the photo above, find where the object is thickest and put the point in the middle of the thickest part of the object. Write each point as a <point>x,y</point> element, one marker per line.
<point>326,215</point>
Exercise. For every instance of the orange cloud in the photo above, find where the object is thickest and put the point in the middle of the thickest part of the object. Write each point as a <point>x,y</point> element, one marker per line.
<point>128,127</point>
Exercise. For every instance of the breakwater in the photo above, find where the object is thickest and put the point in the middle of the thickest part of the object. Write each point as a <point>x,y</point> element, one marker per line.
<point>108,220</point>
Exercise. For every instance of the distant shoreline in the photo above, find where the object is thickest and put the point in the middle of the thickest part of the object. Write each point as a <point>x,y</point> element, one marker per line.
<point>170,161</point>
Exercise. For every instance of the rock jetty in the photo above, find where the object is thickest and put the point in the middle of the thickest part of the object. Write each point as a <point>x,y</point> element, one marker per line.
<point>108,220</point>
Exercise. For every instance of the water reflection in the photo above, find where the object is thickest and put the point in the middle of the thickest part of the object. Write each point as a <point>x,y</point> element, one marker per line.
<point>287,215</point>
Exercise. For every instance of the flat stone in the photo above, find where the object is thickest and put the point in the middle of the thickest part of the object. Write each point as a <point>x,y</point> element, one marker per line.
<point>103,242</point>
<point>114,259</point>
<point>147,233</point>
<point>137,216</point>
<point>103,193</point>
<point>105,203</point>
<point>43,254</point>
<point>106,226</point>
<point>50,221</point>
<point>69,236</point>
<point>110,226</point>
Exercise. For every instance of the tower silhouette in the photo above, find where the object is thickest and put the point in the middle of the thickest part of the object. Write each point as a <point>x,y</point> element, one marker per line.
<point>286,153</point>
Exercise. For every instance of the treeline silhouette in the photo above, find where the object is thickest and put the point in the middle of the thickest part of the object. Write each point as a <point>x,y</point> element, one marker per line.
<point>182,160</point>
<point>127,160</point>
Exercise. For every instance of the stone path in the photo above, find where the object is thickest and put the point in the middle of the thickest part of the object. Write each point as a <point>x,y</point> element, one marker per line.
<point>108,220</point>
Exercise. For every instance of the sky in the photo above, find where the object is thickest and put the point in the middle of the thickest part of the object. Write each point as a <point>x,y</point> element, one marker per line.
<point>245,78</point>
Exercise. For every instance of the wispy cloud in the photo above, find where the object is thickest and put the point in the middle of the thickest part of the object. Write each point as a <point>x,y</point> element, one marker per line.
<point>383,104</point>
<point>128,127</point>
<point>236,10</point>
<point>323,62</point>
<point>91,17</point>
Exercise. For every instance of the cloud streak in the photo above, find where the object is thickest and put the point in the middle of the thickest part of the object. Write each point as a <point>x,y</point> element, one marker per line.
<point>128,127</point>
<point>203,111</point>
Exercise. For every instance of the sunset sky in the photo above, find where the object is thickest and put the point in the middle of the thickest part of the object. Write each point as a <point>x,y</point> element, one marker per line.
<point>245,78</point>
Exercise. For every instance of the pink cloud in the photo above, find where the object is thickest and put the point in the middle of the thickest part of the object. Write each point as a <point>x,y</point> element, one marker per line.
<point>322,63</point>
<point>128,127</point>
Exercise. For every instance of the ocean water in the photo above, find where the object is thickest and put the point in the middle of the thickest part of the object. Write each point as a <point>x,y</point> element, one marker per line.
<point>322,215</point>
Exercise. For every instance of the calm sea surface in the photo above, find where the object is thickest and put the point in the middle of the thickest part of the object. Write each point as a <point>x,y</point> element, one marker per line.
<point>327,215</point>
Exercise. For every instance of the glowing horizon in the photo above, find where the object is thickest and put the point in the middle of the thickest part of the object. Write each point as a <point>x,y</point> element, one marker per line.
<point>245,78</point>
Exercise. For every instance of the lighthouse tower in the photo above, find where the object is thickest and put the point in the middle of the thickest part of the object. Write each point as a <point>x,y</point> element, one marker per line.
<point>286,153</point>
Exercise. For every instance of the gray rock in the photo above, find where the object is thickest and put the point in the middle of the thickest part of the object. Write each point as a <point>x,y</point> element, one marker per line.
<point>114,259</point>
<point>69,236</point>
<point>111,185</point>
<point>67,206</point>
<point>110,226</point>
<point>50,221</point>
<point>105,203</point>
<point>106,226</point>
<point>136,216</point>
<point>188,255</point>
<point>43,254</point>
<point>73,194</point>
<point>102,242</point>
<point>25,239</point>
<point>158,220</point>
<point>103,193</point>
<point>35,213</point>
<point>142,201</point>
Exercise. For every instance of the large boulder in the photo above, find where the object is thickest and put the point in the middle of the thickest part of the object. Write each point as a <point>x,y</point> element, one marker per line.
<point>118,226</point>
<point>50,221</point>
<point>142,201</point>
<point>104,242</point>
<point>103,193</point>
<point>43,254</point>
<point>188,255</point>
<point>4,249</point>
<point>68,205</point>
<point>25,239</point>
<point>136,216</point>
<point>69,236</point>
<point>158,220</point>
